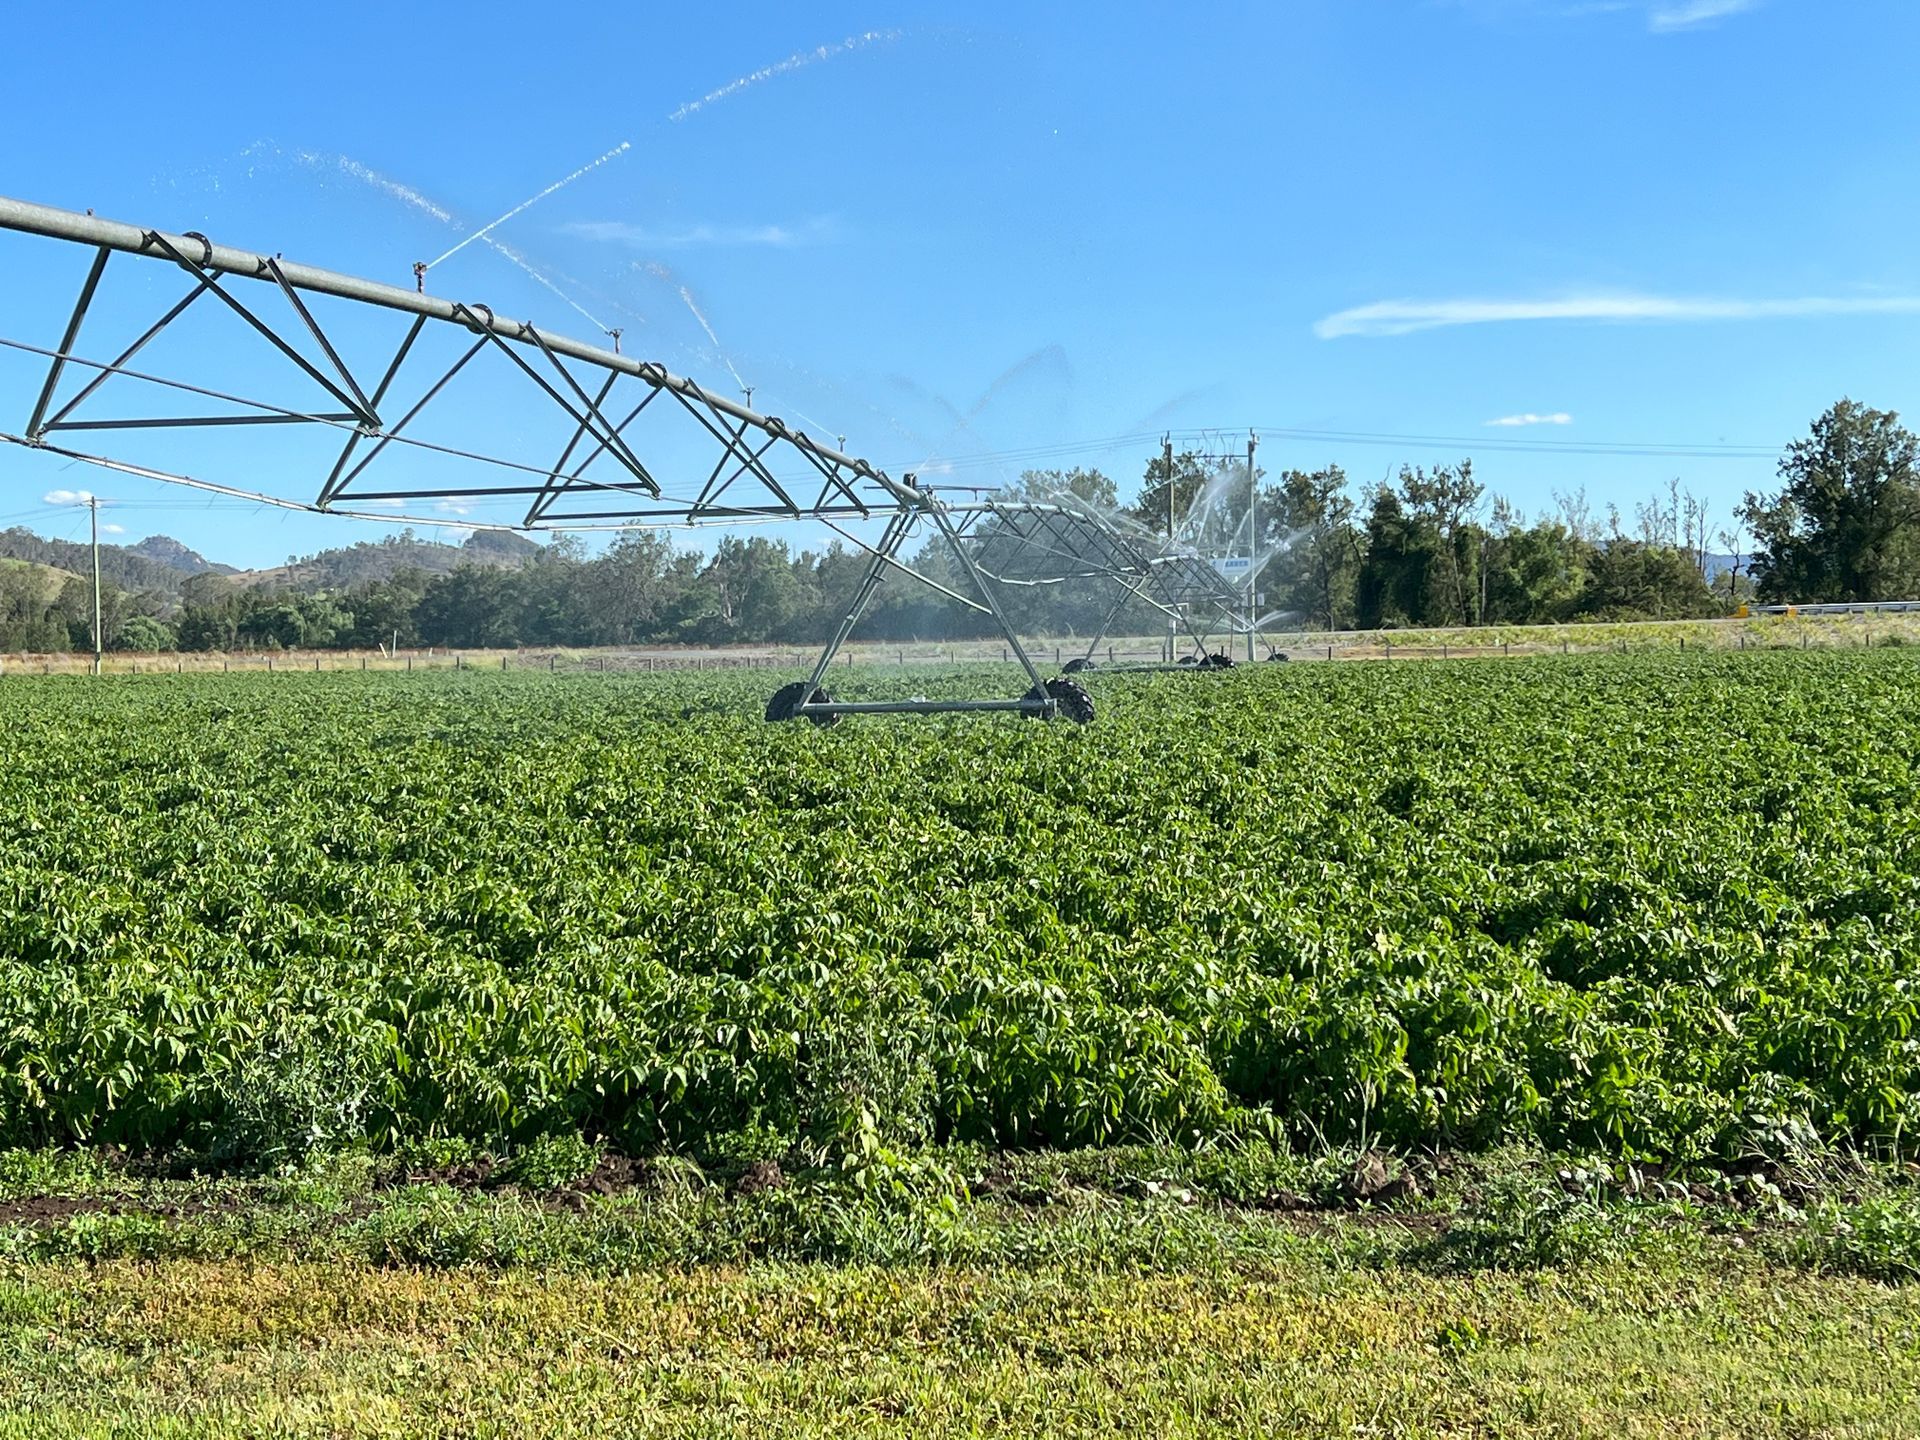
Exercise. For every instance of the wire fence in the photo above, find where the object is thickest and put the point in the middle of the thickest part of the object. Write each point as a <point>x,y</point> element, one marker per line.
<point>1849,632</point>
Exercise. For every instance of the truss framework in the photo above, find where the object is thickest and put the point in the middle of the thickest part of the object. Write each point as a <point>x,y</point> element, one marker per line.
<point>601,477</point>
<point>762,469</point>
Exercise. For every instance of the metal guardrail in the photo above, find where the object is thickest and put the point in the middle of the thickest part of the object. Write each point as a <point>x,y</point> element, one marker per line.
<point>1846,607</point>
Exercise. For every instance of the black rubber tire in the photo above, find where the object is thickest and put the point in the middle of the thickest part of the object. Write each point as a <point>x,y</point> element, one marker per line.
<point>1186,660</point>
<point>1219,660</point>
<point>1078,666</point>
<point>1277,658</point>
<point>1070,700</point>
<point>786,703</point>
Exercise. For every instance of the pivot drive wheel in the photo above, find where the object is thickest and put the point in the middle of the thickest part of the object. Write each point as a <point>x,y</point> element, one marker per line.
<point>1070,700</point>
<point>1219,660</point>
<point>1077,665</point>
<point>786,703</point>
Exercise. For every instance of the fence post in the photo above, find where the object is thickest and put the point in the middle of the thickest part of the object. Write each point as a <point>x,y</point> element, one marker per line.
<point>1329,652</point>
<point>409,664</point>
<point>316,664</point>
<point>503,662</point>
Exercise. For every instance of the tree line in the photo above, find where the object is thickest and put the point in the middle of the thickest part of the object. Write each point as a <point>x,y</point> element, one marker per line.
<point>1428,548</point>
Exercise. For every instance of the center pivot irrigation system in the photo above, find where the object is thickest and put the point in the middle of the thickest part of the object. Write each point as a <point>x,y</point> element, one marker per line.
<point>707,459</point>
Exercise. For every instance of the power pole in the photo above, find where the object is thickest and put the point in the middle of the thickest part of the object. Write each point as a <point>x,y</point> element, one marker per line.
<point>1166,450</point>
<point>93,510</point>
<point>1253,541</point>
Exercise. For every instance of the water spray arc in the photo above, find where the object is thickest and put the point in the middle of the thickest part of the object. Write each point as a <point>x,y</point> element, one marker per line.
<point>798,61</point>
<point>531,201</point>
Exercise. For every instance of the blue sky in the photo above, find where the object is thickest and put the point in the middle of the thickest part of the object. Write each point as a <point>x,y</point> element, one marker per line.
<point>972,237</point>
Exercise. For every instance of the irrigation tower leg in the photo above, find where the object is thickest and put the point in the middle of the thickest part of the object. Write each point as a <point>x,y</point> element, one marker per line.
<point>992,601</point>
<point>891,540</point>
<point>1199,639</point>
<point>1106,622</point>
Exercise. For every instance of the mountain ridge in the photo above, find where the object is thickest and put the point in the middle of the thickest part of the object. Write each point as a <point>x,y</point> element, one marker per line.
<point>161,564</point>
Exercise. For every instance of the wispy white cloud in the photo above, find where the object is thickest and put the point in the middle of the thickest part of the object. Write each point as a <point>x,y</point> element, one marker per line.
<point>66,497</point>
<point>813,231</point>
<point>452,507</point>
<point>1404,317</point>
<point>1515,422</point>
<point>1662,17</point>
<point>1690,14</point>
<point>111,529</point>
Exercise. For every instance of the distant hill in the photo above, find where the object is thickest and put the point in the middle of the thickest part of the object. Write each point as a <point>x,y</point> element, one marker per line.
<point>170,552</point>
<point>49,582</point>
<point>124,567</point>
<point>369,561</point>
<point>161,564</point>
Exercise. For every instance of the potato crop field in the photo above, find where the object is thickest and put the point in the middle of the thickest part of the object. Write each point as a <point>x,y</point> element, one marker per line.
<point>1665,908</point>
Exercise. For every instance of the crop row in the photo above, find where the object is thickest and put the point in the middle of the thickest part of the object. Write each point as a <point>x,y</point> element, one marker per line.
<point>1665,906</point>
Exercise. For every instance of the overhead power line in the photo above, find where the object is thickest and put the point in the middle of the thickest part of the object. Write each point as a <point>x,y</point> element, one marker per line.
<point>1066,450</point>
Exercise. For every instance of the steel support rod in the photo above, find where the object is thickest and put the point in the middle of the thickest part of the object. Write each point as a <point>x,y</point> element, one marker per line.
<point>31,219</point>
<point>941,519</point>
<point>1026,704</point>
<point>891,539</point>
<point>66,341</point>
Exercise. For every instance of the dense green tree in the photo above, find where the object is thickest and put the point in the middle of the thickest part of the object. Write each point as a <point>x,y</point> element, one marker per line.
<point>747,591</point>
<point>634,588</point>
<point>384,611</point>
<point>1632,580</point>
<point>30,614</point>
<point>295,622</point>
<point>1846,523</point>
<point>1392,586</point>
<point>1314,572</point>
<point>473,607</point>
<point>144,635</point>
<point>1439,505</point>
<point>1532,574</point>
